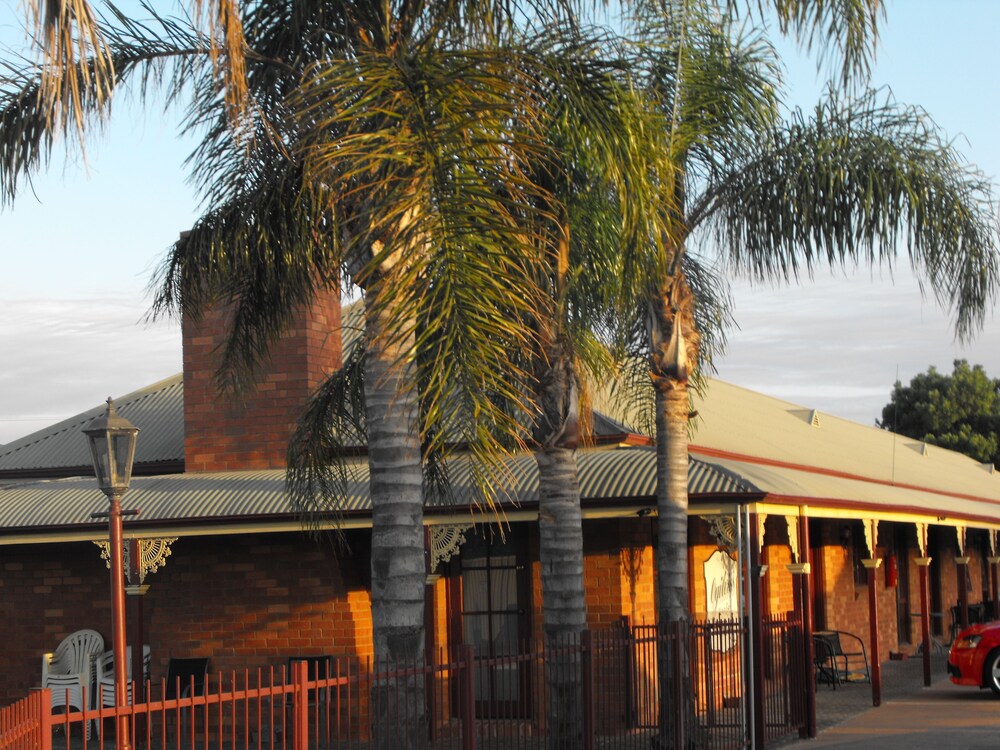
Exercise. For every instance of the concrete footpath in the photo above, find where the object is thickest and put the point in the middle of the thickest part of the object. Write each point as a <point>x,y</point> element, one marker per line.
<point>911,717</point>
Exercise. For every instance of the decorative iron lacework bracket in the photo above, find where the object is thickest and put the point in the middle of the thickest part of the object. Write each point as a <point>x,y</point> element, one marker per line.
<point>153,554</point>
<point>723,529</point>
<point>793,536</point>
<point>445,543</point>
<point>871,536</point>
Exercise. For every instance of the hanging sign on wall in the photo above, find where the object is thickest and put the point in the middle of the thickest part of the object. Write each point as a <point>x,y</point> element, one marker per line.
<point>722,596</point>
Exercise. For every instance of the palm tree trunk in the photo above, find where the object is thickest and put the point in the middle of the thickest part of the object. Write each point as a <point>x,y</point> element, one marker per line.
<point>397,557</point>
<point>560,525</point>
<point>672,409</point>
<point>674,348</point>
<point>563,597</point>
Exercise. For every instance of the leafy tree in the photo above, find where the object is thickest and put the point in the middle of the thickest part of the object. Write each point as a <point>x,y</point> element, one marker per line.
<point>960,411</point>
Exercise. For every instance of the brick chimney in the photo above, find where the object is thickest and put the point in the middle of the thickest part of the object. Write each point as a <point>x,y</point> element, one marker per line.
<point>251,430</point>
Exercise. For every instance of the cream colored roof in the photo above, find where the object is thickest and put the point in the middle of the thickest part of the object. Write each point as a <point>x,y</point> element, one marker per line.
<point>797,455</point>
<point>748,447</point>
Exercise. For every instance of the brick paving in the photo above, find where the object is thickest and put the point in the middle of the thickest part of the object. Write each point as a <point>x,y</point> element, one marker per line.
<point>900,679</point>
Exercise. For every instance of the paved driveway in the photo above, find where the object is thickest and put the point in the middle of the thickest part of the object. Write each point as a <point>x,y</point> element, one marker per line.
<point>941,717</point>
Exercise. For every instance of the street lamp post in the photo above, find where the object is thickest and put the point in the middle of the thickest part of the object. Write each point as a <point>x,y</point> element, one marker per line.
<point>112,444</point>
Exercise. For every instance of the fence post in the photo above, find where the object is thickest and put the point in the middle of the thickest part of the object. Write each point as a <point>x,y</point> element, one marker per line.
<point>680,700</point>
<point>587,675</point>
<point>300,705</point>
<point>44,697</point>
<point>467,696</point>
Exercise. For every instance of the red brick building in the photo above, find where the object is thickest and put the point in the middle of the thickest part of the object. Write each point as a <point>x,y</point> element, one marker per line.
<point>235,577</point>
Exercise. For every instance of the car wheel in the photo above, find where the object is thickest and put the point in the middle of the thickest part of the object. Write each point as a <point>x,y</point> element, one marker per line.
<point>991,671</point>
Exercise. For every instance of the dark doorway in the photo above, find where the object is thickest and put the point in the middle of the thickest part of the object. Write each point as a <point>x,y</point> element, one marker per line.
<point>818,576</point>
<point>898,572</point>
<point>494,606</point>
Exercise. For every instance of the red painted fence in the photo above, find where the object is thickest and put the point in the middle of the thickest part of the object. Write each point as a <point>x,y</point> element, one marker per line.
<point>471,701</point>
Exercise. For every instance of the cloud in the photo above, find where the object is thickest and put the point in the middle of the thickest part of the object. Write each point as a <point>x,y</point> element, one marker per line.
<point>65,356</point>
<point>837,344</point>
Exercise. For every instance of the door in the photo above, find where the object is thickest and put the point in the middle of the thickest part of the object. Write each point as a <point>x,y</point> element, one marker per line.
<point>494,619</point>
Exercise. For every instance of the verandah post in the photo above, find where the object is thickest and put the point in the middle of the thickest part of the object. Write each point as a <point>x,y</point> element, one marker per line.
<point>802,576</point>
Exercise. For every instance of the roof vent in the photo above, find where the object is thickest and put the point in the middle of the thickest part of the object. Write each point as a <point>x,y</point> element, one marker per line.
<point>990,468</point>
<point>809,416</point>
<point>920,448</point>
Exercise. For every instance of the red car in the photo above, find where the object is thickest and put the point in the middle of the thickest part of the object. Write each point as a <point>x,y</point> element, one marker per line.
<point>974,658</point>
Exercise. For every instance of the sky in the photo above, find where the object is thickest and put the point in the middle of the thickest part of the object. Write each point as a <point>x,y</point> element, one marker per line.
<point>80,243</point>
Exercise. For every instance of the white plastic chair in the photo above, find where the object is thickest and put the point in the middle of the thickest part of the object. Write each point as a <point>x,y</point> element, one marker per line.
<point>67,670</point>
<point>104,676</point>
<point>104,672</point>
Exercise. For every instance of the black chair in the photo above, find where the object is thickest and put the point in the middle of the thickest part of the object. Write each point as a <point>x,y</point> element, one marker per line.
<point>185,678</point>
<point>825,662</point>
<point>845,657</point>
<point>187,673</point>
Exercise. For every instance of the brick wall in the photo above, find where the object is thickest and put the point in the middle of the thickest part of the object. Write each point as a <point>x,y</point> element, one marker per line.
<point>779,582</point>
<point>244,601</point>
<point>618,572</point>
<point>251,430</point>
<point>618,563</point>
<point>846,602</point>
<point>46,592</point>
<point>638,569</point>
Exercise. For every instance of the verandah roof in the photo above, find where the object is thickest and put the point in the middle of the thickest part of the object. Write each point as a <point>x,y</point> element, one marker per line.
<point>613,481</point>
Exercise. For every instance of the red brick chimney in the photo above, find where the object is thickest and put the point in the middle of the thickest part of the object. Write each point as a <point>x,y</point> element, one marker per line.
<point>251,430</point>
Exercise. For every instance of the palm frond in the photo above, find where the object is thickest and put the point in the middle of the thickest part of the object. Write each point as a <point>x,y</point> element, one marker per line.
<point>852,184</point>
<point>77,71</point>
<point>843,32</point>
<point>261,256</point>
<point>146,60</point>
<point>450,234</point>
<point>715,84</point>
<point>318,476</point>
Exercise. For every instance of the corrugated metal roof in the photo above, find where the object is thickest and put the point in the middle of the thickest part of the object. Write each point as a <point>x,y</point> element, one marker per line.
<point>607,476</point>
<point>824,492</point>
<point>749,443</point>
<point>735,422</point>
<point>157,410</point>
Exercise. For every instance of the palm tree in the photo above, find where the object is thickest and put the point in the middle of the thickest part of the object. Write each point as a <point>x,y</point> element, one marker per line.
<point>859,178</point>
<point>388,104</point>
<point>778,196</point>
<point>406,155</point>
<point>602,202</point>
